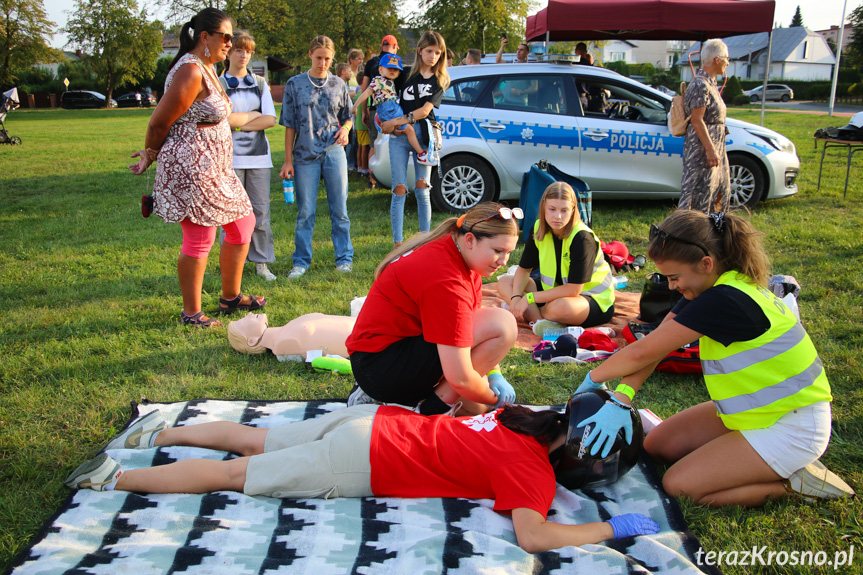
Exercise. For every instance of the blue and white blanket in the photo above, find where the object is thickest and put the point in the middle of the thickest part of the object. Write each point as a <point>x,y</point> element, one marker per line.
<point>231,533</point>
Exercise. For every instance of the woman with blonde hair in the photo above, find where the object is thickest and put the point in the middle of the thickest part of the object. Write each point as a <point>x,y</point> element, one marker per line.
<point>421,94</point>
<point>422,336</point>
<point>575,285</point>
<point>316,114</point>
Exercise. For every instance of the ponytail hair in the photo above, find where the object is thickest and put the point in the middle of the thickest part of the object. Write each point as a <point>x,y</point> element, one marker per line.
<point>545,426</point>
<point>207,20</point>
<point>480,221</point>
<point>729,239</point>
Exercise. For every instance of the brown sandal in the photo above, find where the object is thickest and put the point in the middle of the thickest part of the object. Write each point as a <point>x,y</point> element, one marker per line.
<point>233,305</point>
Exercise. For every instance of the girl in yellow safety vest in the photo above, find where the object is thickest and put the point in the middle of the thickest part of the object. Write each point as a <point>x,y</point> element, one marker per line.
<point>769,419</point>
<point>575,284</point>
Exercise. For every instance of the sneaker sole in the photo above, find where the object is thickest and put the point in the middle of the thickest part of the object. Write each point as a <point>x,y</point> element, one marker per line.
<point>101,465</point>
<point>821,483</point>
<point>135,431</point>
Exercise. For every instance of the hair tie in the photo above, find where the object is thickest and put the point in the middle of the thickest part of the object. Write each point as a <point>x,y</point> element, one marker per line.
<point>460,222</point>
<point>718,221</point>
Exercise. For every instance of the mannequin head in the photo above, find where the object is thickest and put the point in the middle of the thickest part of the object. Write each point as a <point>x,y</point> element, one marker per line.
<point>245,334</point>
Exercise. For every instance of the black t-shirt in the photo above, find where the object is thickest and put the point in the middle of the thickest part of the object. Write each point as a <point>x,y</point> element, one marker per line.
<point>370,70</point>
<point>582,254</point>
<point>414,95</point>
<point>724,314</point>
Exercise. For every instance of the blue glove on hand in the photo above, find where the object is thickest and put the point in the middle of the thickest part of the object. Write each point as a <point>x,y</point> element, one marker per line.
<point>502,389</point>
<point>632,524</point>
<point>589,385</point>
<point>606,423</point>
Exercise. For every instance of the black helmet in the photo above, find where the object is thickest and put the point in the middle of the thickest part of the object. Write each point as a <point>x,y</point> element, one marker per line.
<point>574,466</point>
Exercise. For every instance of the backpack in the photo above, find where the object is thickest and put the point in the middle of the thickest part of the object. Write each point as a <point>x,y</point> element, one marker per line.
<point>677,118</point>
<point>682,360</point>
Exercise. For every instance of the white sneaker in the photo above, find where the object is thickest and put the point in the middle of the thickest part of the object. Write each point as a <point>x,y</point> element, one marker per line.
<point>140,434</point>
<point>95,474</point>
<point>815,481</point>
<point>422,159</point>
<point>360,397</point>
<point>297,271</point>
<point>263,271</point>
<point>345,268</point>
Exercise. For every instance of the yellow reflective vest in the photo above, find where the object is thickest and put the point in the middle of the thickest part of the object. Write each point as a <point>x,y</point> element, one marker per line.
<point>754,383</point>
<point>601,284</point>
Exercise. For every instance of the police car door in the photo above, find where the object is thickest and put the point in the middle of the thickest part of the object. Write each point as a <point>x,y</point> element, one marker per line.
<point>525,118</point>
<point>625,143</point>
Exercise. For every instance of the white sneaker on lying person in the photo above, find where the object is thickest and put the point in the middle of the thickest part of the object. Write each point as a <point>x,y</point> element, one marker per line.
<point>359,397</point>
<point>98,474</point>
<point>140,434</point>
<point>815,481</point>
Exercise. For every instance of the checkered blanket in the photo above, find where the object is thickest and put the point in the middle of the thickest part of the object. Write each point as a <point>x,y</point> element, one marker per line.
<point>226,532</point>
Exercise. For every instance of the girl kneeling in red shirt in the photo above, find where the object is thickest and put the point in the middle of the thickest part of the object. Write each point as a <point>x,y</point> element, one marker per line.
<point>422,336</point>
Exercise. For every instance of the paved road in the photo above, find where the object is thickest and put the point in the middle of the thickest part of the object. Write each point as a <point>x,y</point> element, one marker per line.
<point>809,107</point>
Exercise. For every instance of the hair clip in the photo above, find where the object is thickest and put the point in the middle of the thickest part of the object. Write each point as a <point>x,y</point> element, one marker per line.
<point>718,221</point>
<point>460,222</point>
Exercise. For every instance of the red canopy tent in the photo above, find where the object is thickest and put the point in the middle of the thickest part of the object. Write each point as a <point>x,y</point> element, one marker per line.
<point>566,20</point>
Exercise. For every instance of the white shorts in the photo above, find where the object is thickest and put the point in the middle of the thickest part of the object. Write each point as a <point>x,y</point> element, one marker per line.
<point>797,439</point>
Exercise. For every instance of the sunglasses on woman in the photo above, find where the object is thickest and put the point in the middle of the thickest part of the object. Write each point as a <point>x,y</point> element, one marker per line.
<point>505,213</point>
<point>655,232</point>
<point>226,38</point>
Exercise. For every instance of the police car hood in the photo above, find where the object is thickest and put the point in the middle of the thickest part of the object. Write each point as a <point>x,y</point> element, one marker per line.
<point>732,123</point>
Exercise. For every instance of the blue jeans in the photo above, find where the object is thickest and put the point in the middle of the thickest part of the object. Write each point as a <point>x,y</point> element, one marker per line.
<point>334,166</point>
<point>400,150</point>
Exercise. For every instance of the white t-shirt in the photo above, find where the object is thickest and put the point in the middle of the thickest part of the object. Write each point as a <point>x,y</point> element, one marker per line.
<point>251,149</point>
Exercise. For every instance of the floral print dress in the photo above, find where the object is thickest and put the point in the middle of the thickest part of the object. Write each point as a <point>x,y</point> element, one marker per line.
<point>701,185</point>
<point>194,176</point>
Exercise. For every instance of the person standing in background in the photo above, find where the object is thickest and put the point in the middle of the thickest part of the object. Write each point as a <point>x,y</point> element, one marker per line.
<point>253,113</point>
<point>473,58</point>
<point>355,60</point>
<point>706,184</point>
<point>389,45</point>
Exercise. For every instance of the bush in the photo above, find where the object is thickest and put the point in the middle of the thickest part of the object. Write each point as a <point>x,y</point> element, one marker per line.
<point>856,89</point>
<point>741,100</point>
<point>849,75</point>
<point>620,67</point>
<point>646,69</point>
<point>732,90</point>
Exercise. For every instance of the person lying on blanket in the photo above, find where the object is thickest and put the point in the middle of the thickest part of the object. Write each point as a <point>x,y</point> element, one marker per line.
<point>576,285</point>
<point>370,450</point>
<point>769,418</point>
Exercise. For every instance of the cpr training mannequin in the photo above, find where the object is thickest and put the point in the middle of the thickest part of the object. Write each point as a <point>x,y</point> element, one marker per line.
<point>291,342</point>
<point>370,450</point>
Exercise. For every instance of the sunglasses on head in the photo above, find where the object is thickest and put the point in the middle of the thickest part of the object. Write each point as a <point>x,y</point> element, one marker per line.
<point>226,38</point>
<point>504,213</point>
<point>655,232</point>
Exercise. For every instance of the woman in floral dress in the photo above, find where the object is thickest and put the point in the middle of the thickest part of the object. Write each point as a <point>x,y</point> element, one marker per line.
<point>190,138</point>
<point>705,184</point>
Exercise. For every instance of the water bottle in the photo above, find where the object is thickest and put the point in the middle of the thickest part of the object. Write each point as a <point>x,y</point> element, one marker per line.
<point>620,282</point>
<point>288,190</point>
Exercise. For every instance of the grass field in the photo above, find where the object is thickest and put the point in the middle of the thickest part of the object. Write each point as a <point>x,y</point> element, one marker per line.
<point>89,308</point>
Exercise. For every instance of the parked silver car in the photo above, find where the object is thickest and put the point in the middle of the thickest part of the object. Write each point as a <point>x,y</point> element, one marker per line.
<point>592,123</point>
<point>778,92</point>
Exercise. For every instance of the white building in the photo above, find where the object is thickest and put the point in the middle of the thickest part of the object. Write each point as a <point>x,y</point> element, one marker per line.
<point>660,53</point>
<point>798,54</point>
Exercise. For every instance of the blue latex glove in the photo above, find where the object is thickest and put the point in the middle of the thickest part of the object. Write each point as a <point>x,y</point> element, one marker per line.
<point>502,389</point>
<point>632,524</point>
<point>607,422</point>
<point>589,385</point>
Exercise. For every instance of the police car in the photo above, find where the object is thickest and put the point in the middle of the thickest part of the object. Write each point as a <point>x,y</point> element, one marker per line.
<point>589,122</point>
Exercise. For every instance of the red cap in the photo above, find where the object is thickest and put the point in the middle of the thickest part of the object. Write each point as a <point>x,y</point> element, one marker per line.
<point>596,340</point>
<point>618,253</point>
<point>390,40</point>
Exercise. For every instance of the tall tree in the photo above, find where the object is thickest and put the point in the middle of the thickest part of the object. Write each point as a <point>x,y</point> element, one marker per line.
<point>24,34</point>
<point>467,24</point>
<point>119,42</point>
<point>797,20</point>
<point>855,46</point>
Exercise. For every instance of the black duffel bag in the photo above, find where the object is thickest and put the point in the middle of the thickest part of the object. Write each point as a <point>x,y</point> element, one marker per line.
<point>657,299</point>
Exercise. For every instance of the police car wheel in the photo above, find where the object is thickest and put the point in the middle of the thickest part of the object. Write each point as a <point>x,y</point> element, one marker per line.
<point>747,182</point>
<point>466,182</point>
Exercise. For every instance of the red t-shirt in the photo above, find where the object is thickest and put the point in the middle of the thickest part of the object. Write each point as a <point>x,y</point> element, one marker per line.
<point>429,291</point>
<point>413,455</point>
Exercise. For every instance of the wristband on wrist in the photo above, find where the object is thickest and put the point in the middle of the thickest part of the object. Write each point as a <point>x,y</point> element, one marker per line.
<point>493,371</point>
<point>238,128</point>
<point>625,390</point>
<point>411,119</point>
<point>529,297</point>
<point>515,296</point>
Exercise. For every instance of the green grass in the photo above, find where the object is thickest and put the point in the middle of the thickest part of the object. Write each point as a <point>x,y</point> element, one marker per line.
<point>89,306</point>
